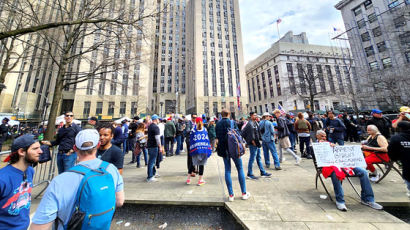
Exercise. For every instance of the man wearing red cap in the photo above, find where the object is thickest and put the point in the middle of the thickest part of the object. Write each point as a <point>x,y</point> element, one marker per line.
<point>16,183</point>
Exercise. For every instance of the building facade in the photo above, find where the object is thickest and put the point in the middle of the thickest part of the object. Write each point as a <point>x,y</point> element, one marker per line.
<point>186,59</point>
<point>215,74</point>
<point>282,76</point>
<point>379,35</point>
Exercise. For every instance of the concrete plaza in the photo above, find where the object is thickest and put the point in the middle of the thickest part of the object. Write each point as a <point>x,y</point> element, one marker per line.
<point>288,200</point>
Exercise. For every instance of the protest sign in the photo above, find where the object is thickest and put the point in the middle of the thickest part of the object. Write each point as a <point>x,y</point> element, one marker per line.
<point>340,156</point>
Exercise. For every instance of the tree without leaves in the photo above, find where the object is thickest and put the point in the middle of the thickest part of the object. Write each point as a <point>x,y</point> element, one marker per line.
<point>67,45</point>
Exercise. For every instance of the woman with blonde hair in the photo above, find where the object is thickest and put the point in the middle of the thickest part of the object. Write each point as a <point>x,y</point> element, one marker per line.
<point>199,150</point>
<point>141,144</point>
<point>375,148</point>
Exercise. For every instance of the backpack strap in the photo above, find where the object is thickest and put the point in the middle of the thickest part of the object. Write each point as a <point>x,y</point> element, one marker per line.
<point>104,165</point>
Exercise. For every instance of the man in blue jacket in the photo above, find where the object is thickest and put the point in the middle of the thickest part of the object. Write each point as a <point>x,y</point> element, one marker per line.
<point>268,141</point>
<point>335,127</point>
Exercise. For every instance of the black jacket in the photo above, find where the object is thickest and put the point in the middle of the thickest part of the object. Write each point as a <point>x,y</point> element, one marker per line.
<point>399,148</point>
<point>282,128</point>
<point>383,124</point>
<point>221,130</point>
<point>251,133</point>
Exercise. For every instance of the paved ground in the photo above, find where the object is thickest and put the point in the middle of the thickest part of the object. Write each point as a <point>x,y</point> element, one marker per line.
<point>288,200</point>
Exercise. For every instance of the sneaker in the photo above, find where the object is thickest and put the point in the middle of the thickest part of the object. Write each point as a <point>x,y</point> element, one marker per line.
<point>157,175</point>
<point>138,166</point>
<point>373,205</point>
<point>266,175</point>
<point>188,181</point>
<point>193,174</point>
<point>341,206</point>
<point>298,160</point>
<point>152,179</point>
<point>252,177</point>
<point>131,162</point>
<point>182,151</point>
<point>201,182</point>
<point>267,166</point>
<point>375,178</point>
<point>246,196</point>
<point>309,157</point>
<point>278,168</point>
<point>231,198</point>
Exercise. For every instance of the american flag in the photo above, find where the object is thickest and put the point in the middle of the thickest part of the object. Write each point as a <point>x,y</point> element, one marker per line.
<point>279,20</point>
<point>337,29</point>
<point>282,111</point>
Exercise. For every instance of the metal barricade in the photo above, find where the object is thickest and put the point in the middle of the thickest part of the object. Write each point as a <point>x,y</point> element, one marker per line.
<point>43,172</point>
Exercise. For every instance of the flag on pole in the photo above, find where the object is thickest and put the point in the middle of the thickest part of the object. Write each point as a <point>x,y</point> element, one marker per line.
<point>238,94</point>
<point>335,29</point>
<point>278,21</point>
<point>282,111</point>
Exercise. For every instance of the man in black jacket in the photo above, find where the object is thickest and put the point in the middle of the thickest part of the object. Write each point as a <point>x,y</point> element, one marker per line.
<point>252,136</point>
<point>131,137</point>
<point>4,129</point>
<point>399,149</point>
<point>381,122</point>
<point>283,135</point>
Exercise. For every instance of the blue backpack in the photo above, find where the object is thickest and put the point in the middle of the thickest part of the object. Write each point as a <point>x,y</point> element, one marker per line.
<point>236,144</point>
<point>95,200</point>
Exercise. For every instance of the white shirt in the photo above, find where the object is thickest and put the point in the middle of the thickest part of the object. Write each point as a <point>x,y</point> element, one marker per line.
<point>161,127</point>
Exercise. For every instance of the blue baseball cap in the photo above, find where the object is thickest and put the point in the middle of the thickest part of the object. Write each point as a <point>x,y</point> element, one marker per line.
<point>154,117</point>
<point>376,111</point>
<point>22,142</point>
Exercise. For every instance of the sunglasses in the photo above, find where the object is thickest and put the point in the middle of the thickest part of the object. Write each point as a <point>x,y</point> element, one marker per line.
<point>69,115</point>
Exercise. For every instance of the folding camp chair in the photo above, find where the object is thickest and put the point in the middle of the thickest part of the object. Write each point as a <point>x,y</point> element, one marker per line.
<point>319,176</point>
<point>388,166</point>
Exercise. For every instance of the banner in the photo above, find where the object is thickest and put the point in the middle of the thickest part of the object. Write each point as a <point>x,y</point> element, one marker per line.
<point>340,156</point>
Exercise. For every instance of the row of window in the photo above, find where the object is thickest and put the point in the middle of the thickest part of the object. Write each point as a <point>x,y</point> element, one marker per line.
<point>215,107</point>
<point>305,74</point>
<point>381,47</point>
<point>110,110</point>
<point>386,62</point>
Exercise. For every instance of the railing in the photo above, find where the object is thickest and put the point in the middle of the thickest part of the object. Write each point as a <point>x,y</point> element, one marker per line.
<point>43,172</point>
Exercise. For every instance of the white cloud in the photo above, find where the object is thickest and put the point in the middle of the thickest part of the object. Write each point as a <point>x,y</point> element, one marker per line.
<point>258,18</point>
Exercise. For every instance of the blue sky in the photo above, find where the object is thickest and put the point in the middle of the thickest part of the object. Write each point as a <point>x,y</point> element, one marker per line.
<point>315,17</point>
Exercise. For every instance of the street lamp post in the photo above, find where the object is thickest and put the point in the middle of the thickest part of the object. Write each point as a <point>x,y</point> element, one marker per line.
<point>161,104</point>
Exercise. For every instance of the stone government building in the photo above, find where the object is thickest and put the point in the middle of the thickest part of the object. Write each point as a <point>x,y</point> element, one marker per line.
<point>276,76</point>
<point>379,36</point>
<point>190,59</point>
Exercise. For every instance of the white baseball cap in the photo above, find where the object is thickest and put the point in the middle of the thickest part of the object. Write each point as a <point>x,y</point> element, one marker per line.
<point>87,135</point>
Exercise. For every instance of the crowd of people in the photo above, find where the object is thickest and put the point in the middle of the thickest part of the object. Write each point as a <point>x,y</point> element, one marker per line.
<point>91,159</point>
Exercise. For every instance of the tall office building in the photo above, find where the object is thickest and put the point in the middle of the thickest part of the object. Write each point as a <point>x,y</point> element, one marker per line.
<point>215,69</point>
<point>280,76</point>
<point>379,36</point>
<point>188,58</point>
<point>168,85</point>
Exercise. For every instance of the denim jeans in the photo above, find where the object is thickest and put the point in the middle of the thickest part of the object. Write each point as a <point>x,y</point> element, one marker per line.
<point>169,145</point>
<point>125,147</point>
<point>302,142</point>
<point>337,141</point>
<point>152,158</point>
<point>145,152</point>
<point>292,138</point>
<point>255,154</point>
<point>65,162</point>
<point>270,146</point>
<point>182,143</point>
<point>241,174</point>
<point>367,191</point>
<point>179,144</point>
<point>408,185</point>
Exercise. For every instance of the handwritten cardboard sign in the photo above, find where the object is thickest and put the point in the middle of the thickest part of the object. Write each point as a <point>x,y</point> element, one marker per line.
<point>340,156</point>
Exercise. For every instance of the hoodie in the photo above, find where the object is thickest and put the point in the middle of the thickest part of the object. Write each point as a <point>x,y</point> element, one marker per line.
<point>399,148</point>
